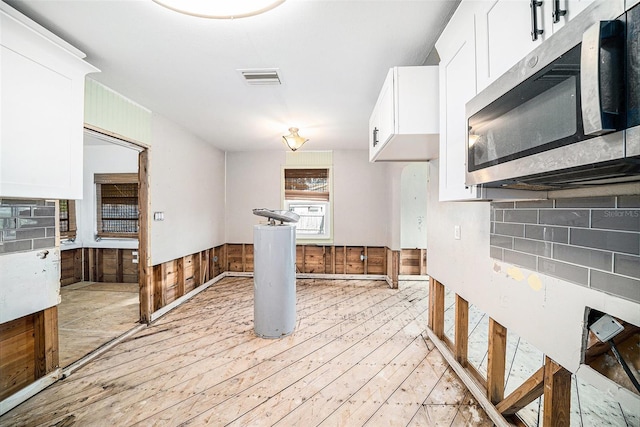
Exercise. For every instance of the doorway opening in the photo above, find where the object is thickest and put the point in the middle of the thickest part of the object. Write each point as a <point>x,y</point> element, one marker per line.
<point>101,255</point>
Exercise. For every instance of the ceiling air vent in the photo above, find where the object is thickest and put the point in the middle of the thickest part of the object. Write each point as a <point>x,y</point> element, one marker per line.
<point>261,77</point>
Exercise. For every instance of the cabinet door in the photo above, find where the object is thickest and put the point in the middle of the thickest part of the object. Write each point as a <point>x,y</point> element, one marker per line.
<point>456,47</point>
<point>571,7</point>
<point>42,112</point>
<point>503,34</point>
<point>382,118</point>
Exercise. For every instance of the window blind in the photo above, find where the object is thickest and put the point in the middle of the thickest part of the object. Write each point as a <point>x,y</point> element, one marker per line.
<point>306,184</point>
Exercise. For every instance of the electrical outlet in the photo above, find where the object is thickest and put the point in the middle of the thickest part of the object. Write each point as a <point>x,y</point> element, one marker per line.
<point>456,232</point>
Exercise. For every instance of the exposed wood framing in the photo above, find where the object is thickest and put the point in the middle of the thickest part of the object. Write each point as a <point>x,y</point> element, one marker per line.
<point>461,330</point>
<point>46,350</point>
<point>557,395</point>
<point>145,277</point>
<point>496,359</point>
<point>174,279</point>
<point>528,391</point>
<point>109,265</point>
<point>436,307</point>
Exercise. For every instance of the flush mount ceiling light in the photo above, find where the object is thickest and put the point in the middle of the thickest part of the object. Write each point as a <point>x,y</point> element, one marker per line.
<point>293,140</point>
<point>220,9</point>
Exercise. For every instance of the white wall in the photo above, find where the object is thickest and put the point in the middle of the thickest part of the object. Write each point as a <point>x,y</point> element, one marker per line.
<point>187,182</point>
<point>361,192</point>
<point>100,157</point>
<point>253,181</point>
<point>360,195</point>
<point>413,207</point>
<point>546,312</point>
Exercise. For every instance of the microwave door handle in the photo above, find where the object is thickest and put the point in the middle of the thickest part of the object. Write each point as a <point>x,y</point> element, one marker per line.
<point>601,77</point>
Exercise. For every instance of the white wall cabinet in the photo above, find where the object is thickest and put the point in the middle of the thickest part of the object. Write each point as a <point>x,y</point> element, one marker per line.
<point>404,122</point>
<point>481,42</point>
<point>503,37</point>
<point>457,50</point>
<point>42,109</point>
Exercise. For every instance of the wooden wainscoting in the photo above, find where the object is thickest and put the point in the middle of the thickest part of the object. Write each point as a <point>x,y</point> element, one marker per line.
<point>110,265</point>
<point>174,279</point>
<point>70,266</point>
<point>28,350</point>
<point>413,262</point>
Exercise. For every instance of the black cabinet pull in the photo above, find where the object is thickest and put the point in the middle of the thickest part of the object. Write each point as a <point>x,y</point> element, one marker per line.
<point>557,12</point>
<point>535,32</point>
<point>375,136</point>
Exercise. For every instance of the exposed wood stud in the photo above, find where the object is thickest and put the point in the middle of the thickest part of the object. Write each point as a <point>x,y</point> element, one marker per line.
<point>45,341</point>
<point>461,330</point>
<point>196,260</point>
<point>496,358</point>
<point>423,262</point>
<point>528,391</point>
<point>244,258</point>
<point>119,266</point>
<point>145,275</point>
<point>304,259</point>
<point>366,259</point>
<point>99,258</point>
<point>333,259</point>
<point>436,307</point>
<point>92,265</point>
<point>557,395</point>
<point>344,260</point>
<point>180,279</point>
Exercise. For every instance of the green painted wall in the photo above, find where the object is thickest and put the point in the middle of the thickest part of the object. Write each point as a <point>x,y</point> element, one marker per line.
<point>110,111</point>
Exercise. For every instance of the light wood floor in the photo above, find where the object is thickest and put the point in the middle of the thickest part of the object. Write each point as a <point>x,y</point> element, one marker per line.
<point>92,314</point>
<point>358,356</point>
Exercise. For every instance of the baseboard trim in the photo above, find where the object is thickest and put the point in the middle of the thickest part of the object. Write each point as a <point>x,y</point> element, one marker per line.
<point>29,391</point>
<point>167,308</point>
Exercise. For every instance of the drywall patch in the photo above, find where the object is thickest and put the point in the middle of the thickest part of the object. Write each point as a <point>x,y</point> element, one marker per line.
<point>534,282</point>
<point>515,273</point>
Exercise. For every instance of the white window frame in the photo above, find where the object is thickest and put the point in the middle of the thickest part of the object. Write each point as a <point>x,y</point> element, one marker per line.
<point>288,204</point>
<point>327,236</point>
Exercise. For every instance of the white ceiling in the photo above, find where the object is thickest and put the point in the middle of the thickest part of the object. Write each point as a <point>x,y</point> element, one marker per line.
<point>332,56</point>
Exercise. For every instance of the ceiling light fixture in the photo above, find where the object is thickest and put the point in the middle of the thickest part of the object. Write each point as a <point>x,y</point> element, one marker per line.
<point>220,9</point>
<point>293,140</point>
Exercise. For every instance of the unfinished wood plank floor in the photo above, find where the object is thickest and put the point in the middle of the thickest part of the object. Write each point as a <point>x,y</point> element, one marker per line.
<point>358,357</point>
<point>92,314</point>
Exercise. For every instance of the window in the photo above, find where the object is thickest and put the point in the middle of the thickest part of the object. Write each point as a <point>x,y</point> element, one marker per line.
<point>306,192</point>
<point>117,204</point>
<point>67,217</point>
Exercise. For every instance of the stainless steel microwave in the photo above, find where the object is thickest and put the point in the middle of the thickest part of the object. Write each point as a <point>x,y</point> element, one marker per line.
<point>568,114</point>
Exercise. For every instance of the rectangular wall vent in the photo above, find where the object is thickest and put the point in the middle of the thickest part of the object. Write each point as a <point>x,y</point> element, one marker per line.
<point>261,77</point>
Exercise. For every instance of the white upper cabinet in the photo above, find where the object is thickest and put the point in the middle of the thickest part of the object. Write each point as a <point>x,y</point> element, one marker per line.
<point>503,36</point>
<point>42,83</point>
<point>558,12</point>
<point>456,47</point>
<point>470,52</point>
<point>404,123</point>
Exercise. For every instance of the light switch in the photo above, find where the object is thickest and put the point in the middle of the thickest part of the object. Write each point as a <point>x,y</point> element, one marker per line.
<point>456,232</point>
<point>158,216</point>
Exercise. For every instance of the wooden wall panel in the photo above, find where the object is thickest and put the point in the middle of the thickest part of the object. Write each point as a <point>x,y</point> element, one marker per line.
<point>376,261</point>
<point>235,257</point>
<point>410,261</point>
<point>189,272</point>
<point>17,355</point>
<point>248,257</point>
<point>28,350</point>
<point>70,266</point>
<point>110,265</point>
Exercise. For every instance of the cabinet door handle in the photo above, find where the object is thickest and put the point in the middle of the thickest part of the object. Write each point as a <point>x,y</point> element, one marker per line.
<point>557,12</point>
<point>535,32</point>
<point>375,136</point>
